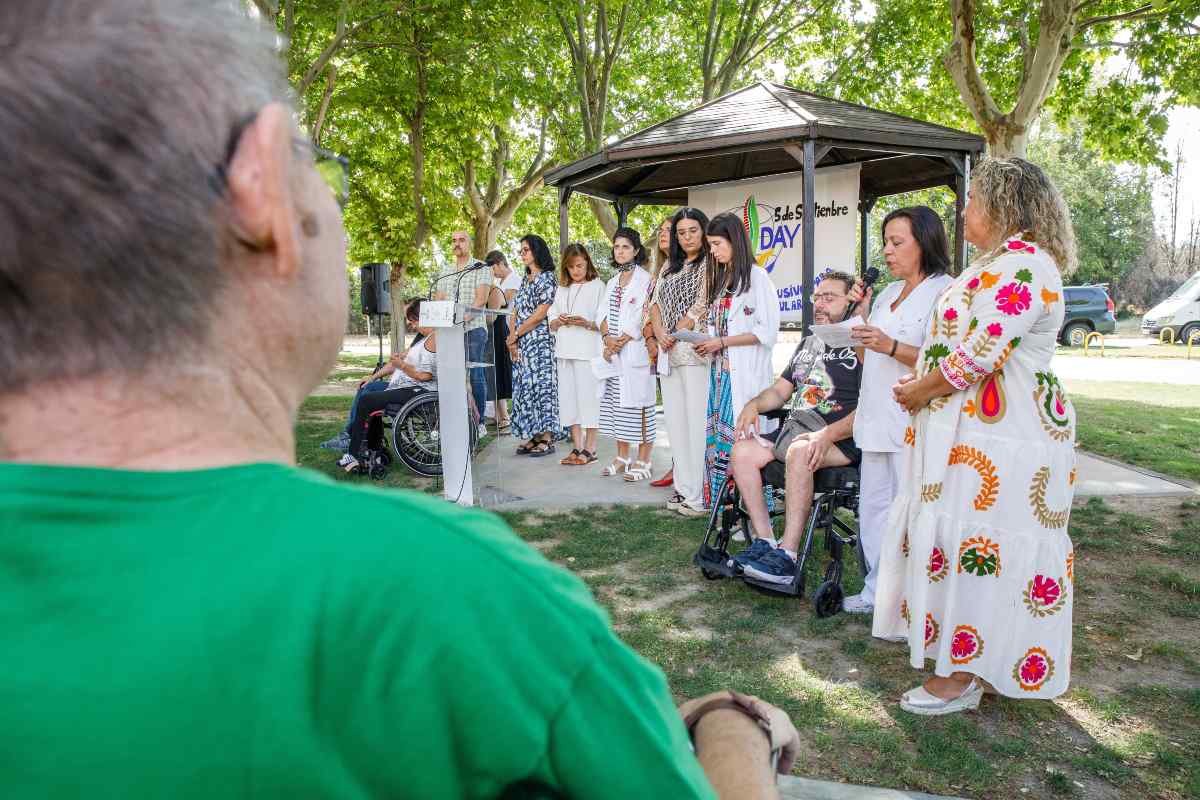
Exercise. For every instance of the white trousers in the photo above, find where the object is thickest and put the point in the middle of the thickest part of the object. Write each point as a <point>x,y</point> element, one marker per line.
<point>578,393</point>
<point>879,480</point>
<point>685,404</point>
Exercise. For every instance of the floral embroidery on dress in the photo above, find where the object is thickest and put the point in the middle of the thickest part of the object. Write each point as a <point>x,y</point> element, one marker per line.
<point>1018,244</point>
<point>1071,566</point>
<point>966,645</point>
<point>1014,298</point>
<point>979,555</point>
<point>910,436</point>
<point>1033,669</point>
<point>1048,297</point>
<point>931,630</point>
<point>1037,500</point>
<point>990,401</point>
<point>933,356</point>
<point>905,614</point>
<point>950,323</point>
<point>1006,353</point>
<point>904,545</point>
<point>989,485</point>
<point>1052,407</point>
<point>937,567</point>
<point>1045,596</point>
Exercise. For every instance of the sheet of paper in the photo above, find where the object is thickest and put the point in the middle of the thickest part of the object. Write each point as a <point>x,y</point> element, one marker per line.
<point>691,337</point>
<point>838,334</point>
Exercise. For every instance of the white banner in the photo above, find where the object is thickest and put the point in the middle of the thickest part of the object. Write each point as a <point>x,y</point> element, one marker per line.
<point>772,209</point>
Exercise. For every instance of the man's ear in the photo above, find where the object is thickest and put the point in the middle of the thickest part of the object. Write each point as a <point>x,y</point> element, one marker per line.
<point>260,188</point>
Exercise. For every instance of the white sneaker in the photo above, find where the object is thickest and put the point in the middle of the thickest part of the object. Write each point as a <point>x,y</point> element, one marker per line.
<point>483,431</point>
<point>348,462</point>
<point>854,604</point>
<point>687,511</point>
<point>919,701</point>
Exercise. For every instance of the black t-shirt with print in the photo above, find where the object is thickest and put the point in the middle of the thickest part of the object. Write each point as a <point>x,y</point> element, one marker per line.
<point>830,387</point>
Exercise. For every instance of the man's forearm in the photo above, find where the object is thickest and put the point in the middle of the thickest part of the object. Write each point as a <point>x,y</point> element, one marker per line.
<point>735,755</point>
<point>842,429</point>
<point>768,400</point>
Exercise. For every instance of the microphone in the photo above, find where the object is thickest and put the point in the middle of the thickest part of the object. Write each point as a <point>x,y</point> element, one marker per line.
<point>869,276</point>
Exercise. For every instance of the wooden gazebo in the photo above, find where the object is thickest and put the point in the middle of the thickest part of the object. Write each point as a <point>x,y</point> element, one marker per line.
<point>769,129</point>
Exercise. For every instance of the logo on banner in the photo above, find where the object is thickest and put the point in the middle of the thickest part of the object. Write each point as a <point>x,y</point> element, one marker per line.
<point>781,230</point>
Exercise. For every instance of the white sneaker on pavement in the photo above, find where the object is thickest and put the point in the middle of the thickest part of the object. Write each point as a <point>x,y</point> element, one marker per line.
<point>854,604</point>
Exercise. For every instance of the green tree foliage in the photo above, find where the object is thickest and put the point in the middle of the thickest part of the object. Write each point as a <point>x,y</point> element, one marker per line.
<point>1111,206</point>
<point>996,65</point>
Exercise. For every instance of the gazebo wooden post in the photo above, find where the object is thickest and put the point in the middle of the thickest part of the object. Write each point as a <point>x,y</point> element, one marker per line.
<point>960,201</point>
<point>564,217</point>
<point>808,252</point>
<point>865,204</point>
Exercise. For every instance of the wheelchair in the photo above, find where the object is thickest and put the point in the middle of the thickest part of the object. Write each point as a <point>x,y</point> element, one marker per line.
<point>834,488</point>
<point>414,438</point>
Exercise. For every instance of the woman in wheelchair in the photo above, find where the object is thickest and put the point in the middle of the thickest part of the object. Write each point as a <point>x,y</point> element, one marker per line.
<point>413,371</point>
<point>818,434</point>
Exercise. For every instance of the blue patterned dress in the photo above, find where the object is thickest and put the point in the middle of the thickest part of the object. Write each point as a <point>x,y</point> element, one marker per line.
<point>535,373</point>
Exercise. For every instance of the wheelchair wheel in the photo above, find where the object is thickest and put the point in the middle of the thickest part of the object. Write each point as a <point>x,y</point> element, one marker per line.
<point>416,435</point>
<point>827,600</point>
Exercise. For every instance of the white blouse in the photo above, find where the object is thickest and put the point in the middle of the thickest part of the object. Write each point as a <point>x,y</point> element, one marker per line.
<point>880,421</point>
<point>588,300</point>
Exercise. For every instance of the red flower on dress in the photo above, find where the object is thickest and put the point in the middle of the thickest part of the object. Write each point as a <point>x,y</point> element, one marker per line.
<point>938,566</point>
<point>966,645</point>
<point>1045,590</point>
<point>1014,299</point>
<point>1033,669</point>
<point>995,329</point>
<point>950,314</point>
<point>973,283</point>
<point>931,630</point>
<point>1017,244</point>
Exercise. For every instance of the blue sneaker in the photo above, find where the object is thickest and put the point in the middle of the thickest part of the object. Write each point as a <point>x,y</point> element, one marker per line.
<point>774,567</point>
<point>757,549</point>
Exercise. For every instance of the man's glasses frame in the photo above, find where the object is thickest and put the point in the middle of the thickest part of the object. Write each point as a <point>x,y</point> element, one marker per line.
<point>334,169</point>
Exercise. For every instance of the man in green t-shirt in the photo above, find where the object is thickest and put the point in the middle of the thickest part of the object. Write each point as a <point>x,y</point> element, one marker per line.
<point>185,613</point>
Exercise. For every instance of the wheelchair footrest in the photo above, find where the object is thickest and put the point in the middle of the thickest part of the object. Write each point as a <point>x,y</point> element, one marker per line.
<point>713,562</point>
<point>793,589</point>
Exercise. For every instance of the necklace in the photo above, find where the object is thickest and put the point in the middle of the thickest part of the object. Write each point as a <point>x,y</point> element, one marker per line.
<point>573,297</point>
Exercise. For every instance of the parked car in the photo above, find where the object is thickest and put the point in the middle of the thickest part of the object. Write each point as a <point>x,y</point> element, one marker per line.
<point>1089,308</point>
<point>1180,312</point>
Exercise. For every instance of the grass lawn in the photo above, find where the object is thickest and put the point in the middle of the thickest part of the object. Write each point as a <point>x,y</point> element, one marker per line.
<point>1116,420</point>
<point>1129,728</point>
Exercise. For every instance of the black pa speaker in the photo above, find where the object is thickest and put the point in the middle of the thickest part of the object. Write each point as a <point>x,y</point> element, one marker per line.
<point>376,294</point>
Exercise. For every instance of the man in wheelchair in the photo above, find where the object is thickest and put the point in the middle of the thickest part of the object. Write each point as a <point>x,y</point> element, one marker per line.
<point>818,433</point>
<point>413,371</point>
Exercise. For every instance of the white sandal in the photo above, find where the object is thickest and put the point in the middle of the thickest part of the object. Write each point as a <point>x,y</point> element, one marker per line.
<point>640,471</point>
<point>921,701</point>
<point>617,466</point>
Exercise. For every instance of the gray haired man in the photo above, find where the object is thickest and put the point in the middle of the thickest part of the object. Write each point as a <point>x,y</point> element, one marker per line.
<point>185,613</point>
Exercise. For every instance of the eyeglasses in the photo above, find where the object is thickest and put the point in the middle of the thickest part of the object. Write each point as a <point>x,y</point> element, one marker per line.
<point>525,249</point>
<point>827,297</point>
<point>333,168</point>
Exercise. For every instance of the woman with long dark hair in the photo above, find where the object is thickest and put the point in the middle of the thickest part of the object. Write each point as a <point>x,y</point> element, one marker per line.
<point>627,406</point>
<point>743,324</point>
<point>680,303</point>
<point>531,345</point>
<point>917,254</point>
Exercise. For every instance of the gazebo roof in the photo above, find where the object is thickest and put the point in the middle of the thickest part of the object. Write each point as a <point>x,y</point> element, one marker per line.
<point>757,131</point>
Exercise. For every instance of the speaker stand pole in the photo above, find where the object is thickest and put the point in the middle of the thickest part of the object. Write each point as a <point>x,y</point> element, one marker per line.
<point>379,330</point>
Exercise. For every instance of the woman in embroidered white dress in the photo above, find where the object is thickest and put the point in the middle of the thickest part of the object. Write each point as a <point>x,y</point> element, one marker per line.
<point>977,571</point>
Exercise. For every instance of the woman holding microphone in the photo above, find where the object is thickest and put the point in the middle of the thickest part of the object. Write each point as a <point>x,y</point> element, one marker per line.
<point>917,255</point>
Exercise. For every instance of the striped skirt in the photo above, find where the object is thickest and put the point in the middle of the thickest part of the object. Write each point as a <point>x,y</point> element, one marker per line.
<point>634,425</point>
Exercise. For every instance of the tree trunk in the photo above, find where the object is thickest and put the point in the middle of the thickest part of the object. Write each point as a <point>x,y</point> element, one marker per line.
<point>1006,138</point>
<point>396,288</point>
<point>604,215</point>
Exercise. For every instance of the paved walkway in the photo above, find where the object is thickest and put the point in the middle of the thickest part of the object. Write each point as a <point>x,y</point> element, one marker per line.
<point>805,789</point>
<point>513,481</point>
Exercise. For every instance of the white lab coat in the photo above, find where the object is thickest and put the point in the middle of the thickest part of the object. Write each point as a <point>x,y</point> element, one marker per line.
<point>633,362</point>
<point>755,311</point>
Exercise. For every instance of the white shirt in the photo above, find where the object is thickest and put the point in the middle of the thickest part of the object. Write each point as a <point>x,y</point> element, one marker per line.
<point>880,421</point>
<point>588,300</point>
<point>422,360</point>
<point>512,282</point>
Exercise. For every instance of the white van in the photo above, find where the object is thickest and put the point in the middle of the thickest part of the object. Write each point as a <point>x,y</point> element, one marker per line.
<point>1179,312</point>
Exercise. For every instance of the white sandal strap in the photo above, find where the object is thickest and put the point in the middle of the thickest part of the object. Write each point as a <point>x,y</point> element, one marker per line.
<point>639,472</point>
<point>613,469</point>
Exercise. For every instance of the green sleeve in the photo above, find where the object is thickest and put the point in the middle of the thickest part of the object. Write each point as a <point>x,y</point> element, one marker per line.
<point>619,734</point>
